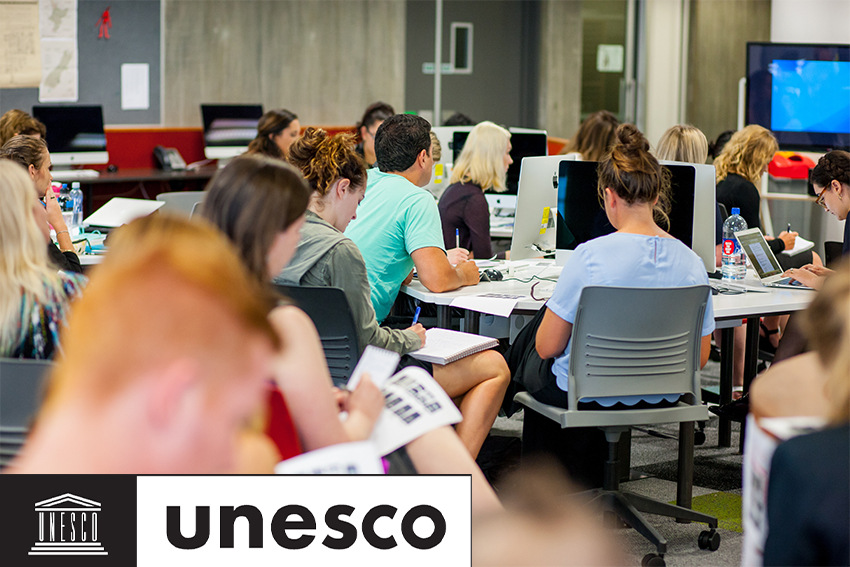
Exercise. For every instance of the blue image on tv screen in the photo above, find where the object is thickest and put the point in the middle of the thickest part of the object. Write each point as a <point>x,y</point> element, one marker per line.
<point>810,96</point>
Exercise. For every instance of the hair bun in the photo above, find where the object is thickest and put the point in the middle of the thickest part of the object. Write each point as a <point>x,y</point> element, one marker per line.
<point>631,139</point>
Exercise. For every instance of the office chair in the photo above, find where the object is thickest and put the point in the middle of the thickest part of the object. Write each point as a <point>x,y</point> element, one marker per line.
<point>21,388</point>
<point>181,202</point>
<point>636,342</point>
<point>328,308</point>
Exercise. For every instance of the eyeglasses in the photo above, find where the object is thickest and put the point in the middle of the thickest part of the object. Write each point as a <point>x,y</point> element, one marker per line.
<point>820,198</point>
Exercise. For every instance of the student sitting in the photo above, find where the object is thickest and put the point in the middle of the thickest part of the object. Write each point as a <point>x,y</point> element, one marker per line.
<point>482,165</point>
<point>34,297</point>
<point>398,226</point>
<point>325,257</point>
<point>640,253</point>
<point>594,137</point>
<point>31,152</point>
<point>166,356</point>
<point>808,496</point>
<point>260,205</point>
<point>373,117</point>
<point>15,122</point>
<point>276,130</point>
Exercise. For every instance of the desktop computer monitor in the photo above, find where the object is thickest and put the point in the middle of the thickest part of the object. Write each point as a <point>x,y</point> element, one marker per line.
<point>523,144</point>
<point>691,213</point>
<point>229,128</point>
<point>441,173</point>
<point>74,133</point>
<point>536,207</point>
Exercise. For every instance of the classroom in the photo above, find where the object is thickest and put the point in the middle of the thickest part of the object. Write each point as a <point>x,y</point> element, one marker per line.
<point>585,283</point>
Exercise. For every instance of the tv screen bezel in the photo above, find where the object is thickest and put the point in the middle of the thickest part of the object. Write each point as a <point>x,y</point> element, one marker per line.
<point>823,141</point>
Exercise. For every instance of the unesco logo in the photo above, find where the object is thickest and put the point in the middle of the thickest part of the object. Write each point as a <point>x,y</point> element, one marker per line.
<point>67,525</point>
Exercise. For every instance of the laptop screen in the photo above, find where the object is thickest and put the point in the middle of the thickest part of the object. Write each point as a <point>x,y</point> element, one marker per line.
<point>759,253</point>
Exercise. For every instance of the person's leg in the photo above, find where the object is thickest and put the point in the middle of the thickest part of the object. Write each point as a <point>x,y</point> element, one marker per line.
<point>441,451</point>
<point>477,383</point>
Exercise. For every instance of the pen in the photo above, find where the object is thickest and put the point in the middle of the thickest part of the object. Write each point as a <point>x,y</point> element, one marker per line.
<point>457,238</point>
<point>789,227</point>
<point>416,315</point>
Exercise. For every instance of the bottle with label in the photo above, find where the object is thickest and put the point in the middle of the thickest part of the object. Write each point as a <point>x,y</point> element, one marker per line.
<point>734,263</point>
<point>76,198</point>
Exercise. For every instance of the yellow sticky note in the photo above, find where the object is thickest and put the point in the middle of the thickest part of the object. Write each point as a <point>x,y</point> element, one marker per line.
<point>544,223</point>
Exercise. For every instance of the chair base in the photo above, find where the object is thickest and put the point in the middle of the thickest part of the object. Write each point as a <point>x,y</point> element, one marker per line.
<point>628,507</point>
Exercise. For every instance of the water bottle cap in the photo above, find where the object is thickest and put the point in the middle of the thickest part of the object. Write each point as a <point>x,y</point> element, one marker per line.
<point>736,210</point>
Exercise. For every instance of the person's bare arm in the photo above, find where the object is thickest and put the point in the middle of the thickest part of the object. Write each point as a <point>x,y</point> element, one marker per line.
<point>438,275</point>
<point>302,375</point>
<point>57,221</point>
<point>553,335</point>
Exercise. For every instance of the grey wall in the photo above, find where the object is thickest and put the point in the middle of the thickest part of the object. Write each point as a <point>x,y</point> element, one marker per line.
<point>134,38</point>
<point>324,60</point>
<point>495,90</point>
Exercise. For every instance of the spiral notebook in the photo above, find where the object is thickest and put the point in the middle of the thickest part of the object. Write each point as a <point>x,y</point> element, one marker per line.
<point>443,346</point>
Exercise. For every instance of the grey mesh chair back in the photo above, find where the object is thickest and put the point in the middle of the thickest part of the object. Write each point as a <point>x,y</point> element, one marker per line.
<point>181,202</point>
<point>21,387</point>
<point>329,309</point>
<point>636,341</point>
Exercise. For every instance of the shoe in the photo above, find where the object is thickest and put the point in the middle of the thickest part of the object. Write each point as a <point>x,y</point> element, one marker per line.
<point>735,410</point>
<point>764,340</point>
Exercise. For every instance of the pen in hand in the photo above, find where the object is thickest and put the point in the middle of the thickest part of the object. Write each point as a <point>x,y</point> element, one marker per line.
<point>416,315</point>
<point>457,237</point>
<point>789,228</point>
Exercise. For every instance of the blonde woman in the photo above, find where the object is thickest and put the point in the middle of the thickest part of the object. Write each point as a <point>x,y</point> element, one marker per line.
<point>683,143</point>
<point>34,297</point>
<point>739,168</point>
<point>482,165</point>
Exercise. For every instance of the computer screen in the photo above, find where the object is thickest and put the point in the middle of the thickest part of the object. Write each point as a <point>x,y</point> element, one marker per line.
<point>691,212</point>
<point>523,144</point>
<point>74,133</point>
<point>229,128</point>
<point>801,92</point>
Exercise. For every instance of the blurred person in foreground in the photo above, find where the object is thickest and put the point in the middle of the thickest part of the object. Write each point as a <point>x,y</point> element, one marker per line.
<point>182,355</point>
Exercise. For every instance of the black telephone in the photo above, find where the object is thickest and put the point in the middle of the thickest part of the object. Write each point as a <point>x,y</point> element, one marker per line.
<point>168,158</point>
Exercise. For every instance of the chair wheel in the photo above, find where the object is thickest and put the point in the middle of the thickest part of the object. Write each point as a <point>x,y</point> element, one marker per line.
<point>652,560</point>
<point>709,540</point>
<point>699,437</point>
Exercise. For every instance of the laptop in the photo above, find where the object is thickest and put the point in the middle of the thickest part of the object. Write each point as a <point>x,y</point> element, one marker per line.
<point>118,211</point>
<point>763,261</point>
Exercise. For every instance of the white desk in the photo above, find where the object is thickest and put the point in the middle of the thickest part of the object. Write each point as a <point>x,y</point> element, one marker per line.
<point>729,310</point>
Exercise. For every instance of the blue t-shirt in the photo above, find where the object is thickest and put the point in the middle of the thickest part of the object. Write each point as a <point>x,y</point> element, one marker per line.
<point>395,219</point>
<point>626,260</point>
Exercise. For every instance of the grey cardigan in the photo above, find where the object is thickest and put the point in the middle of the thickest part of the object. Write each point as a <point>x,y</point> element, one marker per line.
<point>326,257</point>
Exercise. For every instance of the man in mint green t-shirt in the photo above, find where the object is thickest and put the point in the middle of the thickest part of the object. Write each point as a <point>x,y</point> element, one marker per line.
<point>398,223</point>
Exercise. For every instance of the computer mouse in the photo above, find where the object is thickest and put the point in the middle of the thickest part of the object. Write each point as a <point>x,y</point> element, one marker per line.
<point>491,275</point>
<point>112,168</point>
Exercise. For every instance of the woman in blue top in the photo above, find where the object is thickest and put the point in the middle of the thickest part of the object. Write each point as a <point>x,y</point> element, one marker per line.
<point>631,184</point>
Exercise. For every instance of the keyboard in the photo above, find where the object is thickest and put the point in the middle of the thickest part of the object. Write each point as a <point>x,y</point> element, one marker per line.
<point>74,174</point>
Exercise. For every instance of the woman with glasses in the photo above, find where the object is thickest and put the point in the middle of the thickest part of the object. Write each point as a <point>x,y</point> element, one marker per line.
<point>831,181</point>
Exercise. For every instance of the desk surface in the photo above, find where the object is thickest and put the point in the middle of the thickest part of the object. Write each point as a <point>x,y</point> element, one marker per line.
<point>142,175</point>
<point>775,301</point>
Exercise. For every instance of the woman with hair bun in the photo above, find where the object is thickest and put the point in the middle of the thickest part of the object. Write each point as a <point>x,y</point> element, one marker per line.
<point>631,184</point>
<point>276,131</point>
<point>326,257</point>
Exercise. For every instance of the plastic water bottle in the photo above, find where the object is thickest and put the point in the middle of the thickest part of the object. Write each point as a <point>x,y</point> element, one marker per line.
<point>734,264</point>
<point>76,197</point>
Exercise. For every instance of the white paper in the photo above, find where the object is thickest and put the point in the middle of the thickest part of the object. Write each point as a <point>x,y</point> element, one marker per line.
<point>414,405</point>
<point>59,71</point>
<point>135,86</point>
<point>609,58</point>
<point>20,49</point>
<point>345,458</point>
<point>58,18</point>
<point>378,363</point>
<point>800,245</point>
<point>500,304</point>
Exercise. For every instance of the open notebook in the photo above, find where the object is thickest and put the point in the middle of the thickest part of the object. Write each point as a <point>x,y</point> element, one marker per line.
<point>443,346</point>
